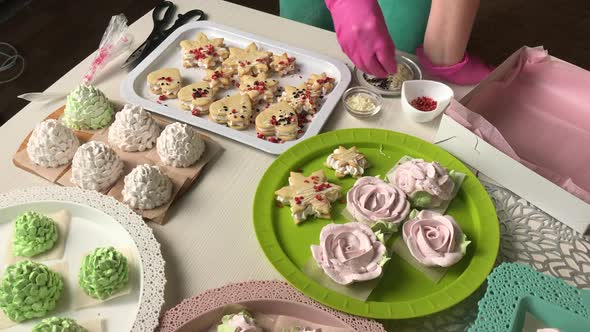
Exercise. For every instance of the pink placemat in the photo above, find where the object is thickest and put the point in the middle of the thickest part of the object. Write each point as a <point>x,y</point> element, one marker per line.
<point>195,307</point>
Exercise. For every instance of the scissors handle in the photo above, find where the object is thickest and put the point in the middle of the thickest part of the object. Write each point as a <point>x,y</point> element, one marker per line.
<point>183,18</point>
<point>160,23</point>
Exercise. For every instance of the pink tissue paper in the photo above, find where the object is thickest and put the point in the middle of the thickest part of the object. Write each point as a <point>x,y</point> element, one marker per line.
<point>538,113</point>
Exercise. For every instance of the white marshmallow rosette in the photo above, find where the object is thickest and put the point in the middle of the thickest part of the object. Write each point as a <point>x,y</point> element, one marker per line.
<point>146,187</point>
<point>427,184</point>
<point>434,239</point>
<point>134,129</point>
<point>349,253</point>
<point>96,166</point>
<point>179,145</point>
<point>372,200</point>
<point>52,144</point>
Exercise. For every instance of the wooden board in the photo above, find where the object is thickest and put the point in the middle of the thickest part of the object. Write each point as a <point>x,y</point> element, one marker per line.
<point>183,178</point>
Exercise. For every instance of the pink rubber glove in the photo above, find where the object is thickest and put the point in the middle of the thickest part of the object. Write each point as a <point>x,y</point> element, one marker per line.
<point>363,35</point>
<point>468,71</point>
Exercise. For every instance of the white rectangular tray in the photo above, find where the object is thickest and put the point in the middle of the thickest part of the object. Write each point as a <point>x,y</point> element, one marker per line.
<point>134,88</point>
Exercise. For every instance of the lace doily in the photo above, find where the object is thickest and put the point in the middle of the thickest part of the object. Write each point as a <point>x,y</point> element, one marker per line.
<point>154,280</point>
<point>192,307</point>
<point>528,236</point>
<point>509,283</point>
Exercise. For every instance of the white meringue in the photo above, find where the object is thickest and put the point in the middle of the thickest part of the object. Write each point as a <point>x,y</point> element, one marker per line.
<point>133,129</point>
<point>180,145</point>
<point>96,166</point>
<point>52,144</point>
<point>146,187</point>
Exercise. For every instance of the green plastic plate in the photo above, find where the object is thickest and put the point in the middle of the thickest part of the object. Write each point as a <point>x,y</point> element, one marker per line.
<point>403,292</point>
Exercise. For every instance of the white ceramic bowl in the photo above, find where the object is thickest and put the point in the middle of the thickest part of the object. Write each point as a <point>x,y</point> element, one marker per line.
<point>411,90</point>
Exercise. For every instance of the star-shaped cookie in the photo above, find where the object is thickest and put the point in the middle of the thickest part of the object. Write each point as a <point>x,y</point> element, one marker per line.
<point>235,111</point>
<point>300,99</point>
<point>278,120</point>
<point>218,78</point>
<point>347,162</point>
<point>203,52</point>
<point>283,64</point>
<point>309,196</point>
<point>249,60</point>
<point>319,84</point>
<point>258,87</point>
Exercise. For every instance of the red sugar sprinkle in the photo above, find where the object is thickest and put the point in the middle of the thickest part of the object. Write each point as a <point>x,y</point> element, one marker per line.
<point>162,97</point>
<point>424,104</point>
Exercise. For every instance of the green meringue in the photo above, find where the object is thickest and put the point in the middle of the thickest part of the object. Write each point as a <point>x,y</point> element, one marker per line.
<point>29,290</point>
<point>87,108</point>
<point>58,324</point>
<point>34,233</point>
<point>103,272</point>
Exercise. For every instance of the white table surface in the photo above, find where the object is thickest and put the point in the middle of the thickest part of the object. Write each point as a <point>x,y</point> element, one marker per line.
<point>209,240</point>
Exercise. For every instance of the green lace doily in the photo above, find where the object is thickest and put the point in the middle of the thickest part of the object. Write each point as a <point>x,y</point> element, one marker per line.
<point>515,289</point>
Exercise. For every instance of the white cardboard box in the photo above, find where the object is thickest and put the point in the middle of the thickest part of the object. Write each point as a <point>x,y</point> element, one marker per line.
<point>508,172</point>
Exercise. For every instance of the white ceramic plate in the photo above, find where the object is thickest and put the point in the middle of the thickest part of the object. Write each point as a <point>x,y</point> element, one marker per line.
<point>97,220</point>
<point>134,88</point>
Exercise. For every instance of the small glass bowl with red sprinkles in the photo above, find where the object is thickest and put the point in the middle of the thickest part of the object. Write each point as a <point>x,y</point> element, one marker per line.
<point>424,100</point>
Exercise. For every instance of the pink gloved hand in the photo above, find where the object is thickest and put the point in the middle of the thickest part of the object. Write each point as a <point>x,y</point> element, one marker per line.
<point>470,70</point>
<point>363,35</point>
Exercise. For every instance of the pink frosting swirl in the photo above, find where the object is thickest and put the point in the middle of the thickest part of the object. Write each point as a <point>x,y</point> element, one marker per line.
<point>427,184</point>
<point>371,200</point>
<point>434,239</point>
<point>349,252</point>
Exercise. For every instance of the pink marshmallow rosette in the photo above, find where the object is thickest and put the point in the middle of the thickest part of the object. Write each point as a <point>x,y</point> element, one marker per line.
<point>428,185</point>
<point>435,239</point>
<point>349,253</point>
<point>371,200</point>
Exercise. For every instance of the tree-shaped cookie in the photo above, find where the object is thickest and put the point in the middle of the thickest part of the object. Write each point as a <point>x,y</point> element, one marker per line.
<point>279,120</point>
<point>258,87</point>
<point>235,111</point>
<point>309,196</point>
<point>203,52</point>
<point>249,60</point>
<point>300,99</point>
<point>196,97</point>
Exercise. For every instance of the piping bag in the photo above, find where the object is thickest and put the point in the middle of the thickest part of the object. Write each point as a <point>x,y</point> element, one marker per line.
<point>115,41</point>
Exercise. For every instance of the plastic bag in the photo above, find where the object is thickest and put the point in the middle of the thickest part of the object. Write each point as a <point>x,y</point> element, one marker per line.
<point>114,42</point>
